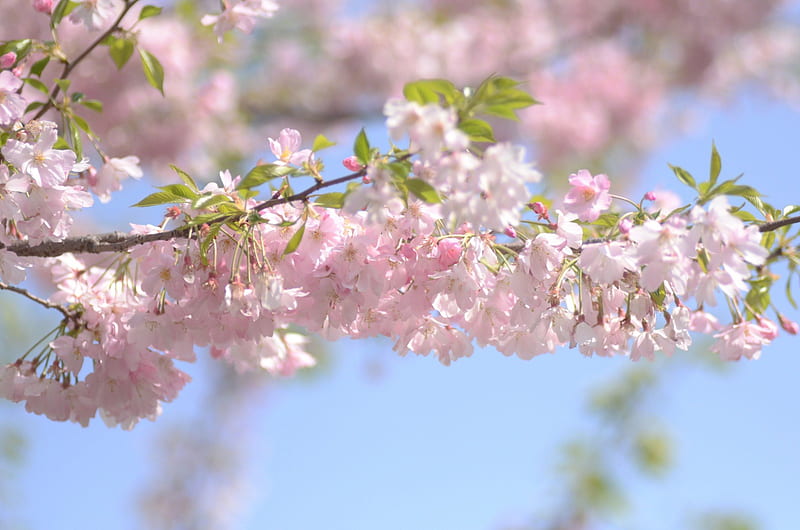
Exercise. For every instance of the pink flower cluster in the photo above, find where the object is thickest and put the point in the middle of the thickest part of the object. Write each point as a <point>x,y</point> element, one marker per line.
<point>399,274</point>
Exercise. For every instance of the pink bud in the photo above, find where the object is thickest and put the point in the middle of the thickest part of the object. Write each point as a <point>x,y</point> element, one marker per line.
<point>789,326</point>
<point>44,6</point>
<point>650,196</point>
<point>7,60</point>
<point>625,225</point>
<point>768,328</point>
<point>449,251</point>
<point>510,232</point>
<point>538,208</point>
<point>352,163</point>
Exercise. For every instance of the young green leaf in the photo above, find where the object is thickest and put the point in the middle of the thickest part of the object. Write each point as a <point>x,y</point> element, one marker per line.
<point>149,11</point>
<point>431,91</point>
<point>180,190</point>
<point>477,130</point>
<point>716,165</point>
<point>120,51</point>
<point>153,70</point>
<point>334,199</point>
<point>38,85</point>
<point>93,104</point>
<point>684,176</point>
<point>20,47</point>
<point>423,190</point>
<point>38,67</point>
<point>261,174</point>
<point>320,143</point>
<point>361,148</point>
<point>295,241</point>
<point>185,177</point>
<point>63,9</point>
<point>207,201</point>
<point>160,197</point>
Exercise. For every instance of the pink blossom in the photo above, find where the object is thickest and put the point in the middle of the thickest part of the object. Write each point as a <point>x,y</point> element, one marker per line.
<point>46,166</point>
<point>12,105</point>
<point>744,339</point>
<point>352,163</point>
<point>94,14</point>
<point>111,175</point>
<point>240,14</point>
<point>287,148</point>
<point>589,195</point>
<point>449,251</point>
<point>44,6</point>
<point>7,60</point>
<point>789,326</point>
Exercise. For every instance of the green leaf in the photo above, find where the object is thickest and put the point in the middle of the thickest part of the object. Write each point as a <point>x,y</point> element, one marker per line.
<point>153,70</point>
<point>477,130</point>
<point>361,148</point>
<point>120,51</point>
<point>32,106</point>
<point>38,85</point>
<point>789,291</point>
<point>499,96</point>
<point>63,84</point>
<point>80,122</point>
<point>684,176</point>
<point>716,165</point>
<point>75,137</point>
<point>334,199</point>
<point>261,174</point>
<point>149,11</point>
<point>188,180</point>
<point>320,143</point>
<point>423,190</point>
<point>295,241</point>
<point>207,201</point>
<point>20,47</point>
<point>206,243</point>
<point>180,190</point>
<point>63,9</point>
<point>431,91</point>
<point>161,197</point>
<point>39,66</point>
<point>93,104</point>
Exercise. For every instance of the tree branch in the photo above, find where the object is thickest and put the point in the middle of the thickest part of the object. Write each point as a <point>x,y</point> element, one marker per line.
<point>769,227</point>
<point>36,299</point>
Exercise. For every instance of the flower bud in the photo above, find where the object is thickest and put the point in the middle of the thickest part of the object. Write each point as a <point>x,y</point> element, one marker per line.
<point>789,326</point>
<point>510,232</point>
<point>44,6</point>
<point>650,196</point>
<point>7,60</point>
<point>625,225</point>
<point>352,163</point>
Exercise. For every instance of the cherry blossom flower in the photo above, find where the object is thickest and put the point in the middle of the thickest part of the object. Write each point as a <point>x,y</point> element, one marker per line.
<point>95,14</point>
<point>111,175</point>
<point>12,105</point>
<point>240,14</point>
<point>589,195</point>
<point>287,148</point>
<point>47,167</point>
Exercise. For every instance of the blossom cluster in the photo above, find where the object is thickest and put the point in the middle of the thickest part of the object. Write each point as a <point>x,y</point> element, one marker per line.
<point>432,245</point>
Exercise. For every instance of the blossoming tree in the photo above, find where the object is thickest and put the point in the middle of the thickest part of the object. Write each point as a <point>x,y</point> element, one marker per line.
<point>439,242</point>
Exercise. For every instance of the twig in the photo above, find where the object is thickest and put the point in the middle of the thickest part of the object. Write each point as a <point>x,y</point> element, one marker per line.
<point>41,301</point>
<point>774,225</point>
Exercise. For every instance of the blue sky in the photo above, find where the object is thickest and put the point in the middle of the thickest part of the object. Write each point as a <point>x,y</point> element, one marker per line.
<point>472,446</point>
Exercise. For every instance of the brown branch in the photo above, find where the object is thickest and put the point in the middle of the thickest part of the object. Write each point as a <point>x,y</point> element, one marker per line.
<point>769,227</point>
<point>36,299</point>
<point>92,244</point>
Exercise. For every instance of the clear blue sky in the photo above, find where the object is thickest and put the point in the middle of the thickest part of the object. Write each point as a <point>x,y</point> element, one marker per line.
<point>474,445</point>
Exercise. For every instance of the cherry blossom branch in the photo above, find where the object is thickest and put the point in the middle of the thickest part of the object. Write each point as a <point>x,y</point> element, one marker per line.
<point>70,66</point>
<point>774,225</point>
<point>119,241</point>
<point>36,299</point>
